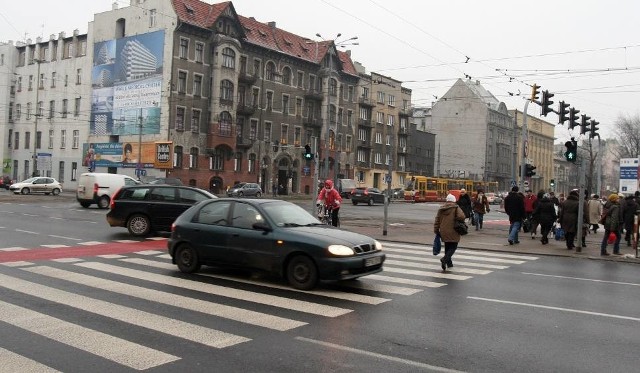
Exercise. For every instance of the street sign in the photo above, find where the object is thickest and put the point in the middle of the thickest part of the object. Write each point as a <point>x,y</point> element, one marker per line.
<point>513,183</point>
<point>387,178</point>
<point>526,183</point>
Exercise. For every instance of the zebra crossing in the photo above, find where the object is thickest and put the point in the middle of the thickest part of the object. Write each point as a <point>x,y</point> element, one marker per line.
<point>141,294</point>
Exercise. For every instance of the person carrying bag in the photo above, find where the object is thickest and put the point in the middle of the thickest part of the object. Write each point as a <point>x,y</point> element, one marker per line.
<point>449,214</point>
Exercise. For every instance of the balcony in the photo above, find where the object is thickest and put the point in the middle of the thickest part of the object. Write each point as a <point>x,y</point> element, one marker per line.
<point>363,164</point>
<point>313,94</point>
<point>405,112</point>
<point>366,101</point>
<point>244,109</point>
<point>221,135</point>
<point>312,122</point>
<point>402,150</point>
<point>247,78</point>
<point>365,122</point>
<point>364,144</point>
<point>244,142</point>
<point>403,131</point>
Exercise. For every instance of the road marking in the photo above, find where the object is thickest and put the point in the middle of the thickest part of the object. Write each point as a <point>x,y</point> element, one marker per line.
<point>583,279</point>
<point>91,243</point>
<point>456,269</point>
<point>425,273</point>
<point>177,328</point>
<point>209,308</point>
<point>427,248</point>
<point>23,231</point>
<point>473,257</point>
<point>148,252</point>
<point>12,362</point>
<point>54,246</point>
<point>435,259</point>
<point>210,289</point>
<point>557,308</point>
<point>381,288</point>
<point>15,248</point>
<point>64,237</point>
<point>378,356</point>
<point>68,260</point>
<point>406,281</point>
<point>94,342</point>
<point>17,264</point>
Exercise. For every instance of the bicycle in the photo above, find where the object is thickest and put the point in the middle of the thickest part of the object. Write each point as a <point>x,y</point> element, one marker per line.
<point>325,215</point>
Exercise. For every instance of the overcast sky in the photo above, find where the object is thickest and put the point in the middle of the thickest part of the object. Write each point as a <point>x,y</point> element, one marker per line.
<point>586,52</point>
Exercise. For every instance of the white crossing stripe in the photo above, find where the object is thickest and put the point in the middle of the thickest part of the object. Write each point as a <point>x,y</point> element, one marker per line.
<point>213,309</point>
<point>156,238</point>
<point>17,264</point>
<point>248,296</point>
<point>111,256</point>
<point>166,325</point>
<point>459,256</point>
<point>67,260</point>
<point>381,288</point>
<point>407,281</point>
<point>435,259</point>
<point>12,362</point>
<point>425,273</point>
<point>91,243</point>
<point>427,248</point>
<point>97,343</point>
<point>165,256</point>
<point>126,241</point>
<point>455,269</point>
<point>149,252</point>
<point>54,246</point>
<point>15,248</point>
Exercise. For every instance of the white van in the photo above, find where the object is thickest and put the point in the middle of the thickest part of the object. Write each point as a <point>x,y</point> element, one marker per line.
<point>98,188</point>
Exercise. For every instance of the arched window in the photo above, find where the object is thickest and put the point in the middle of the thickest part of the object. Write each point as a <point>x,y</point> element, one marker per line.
<point>217,160</point>
<point>225,124</point>
<point>333,87</point>
<point>271,71</point>
<point>237,162</point>
<point>286,76</point>
<point>193,158</point>
<point>228,58</point>
<point>226,90</point>
<point>177,157</point>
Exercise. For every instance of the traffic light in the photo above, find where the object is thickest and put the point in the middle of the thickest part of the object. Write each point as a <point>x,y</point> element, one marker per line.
<point>573,118</point>
<point>572,150</point>
<point>535,92</point>
<point>584,126</point>
<point>307,152</point>
<point>563,112</point>
<point>594,129</point>
<point>552,183</point>
<point>529,170</point>
<point>546,103</point>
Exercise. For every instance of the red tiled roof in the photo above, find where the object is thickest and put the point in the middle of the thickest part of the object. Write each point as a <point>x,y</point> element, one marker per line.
<point>201,14</point>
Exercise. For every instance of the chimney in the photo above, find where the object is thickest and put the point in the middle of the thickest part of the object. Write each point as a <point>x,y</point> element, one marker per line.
<point>114,6</point>
<point>76,32</point>
<point>28,41</point>
<point>272,24</point>
<point>61,35</point>
<point>52,37</point>
<point>39,39</point>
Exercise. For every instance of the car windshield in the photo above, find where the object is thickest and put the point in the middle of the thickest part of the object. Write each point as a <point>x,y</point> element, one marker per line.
<point>239,185</point>
<point>30,180</point>
<point>285,214</point>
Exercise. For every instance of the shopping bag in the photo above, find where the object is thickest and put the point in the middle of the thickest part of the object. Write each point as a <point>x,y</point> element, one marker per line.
<point>612,238</point>
<point>559,234</point>
<point>437,245</point>
<point>526,225</point>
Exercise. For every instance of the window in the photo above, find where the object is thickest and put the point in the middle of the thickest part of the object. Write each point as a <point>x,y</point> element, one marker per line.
<point>78,76</point>
<point>65,107</point>
<point>299,107</point>
<point>193,158</point>
<point>50,139</point>
<point>225,124</point>
<point>256,68</point>
<point>184,48</point>
<point>226,90</point>
<point>253,129</point>
<point>380,117</point>
<point>53,79</point>
<point>284,134</point>
<point>381,97</point>
<point>333,87</point>
<point>255,94</point>
<point>228,58</point>
<point>39,140</point>
<point>378,138</point>
<point>348,143</point>
<point>286,76</point>
<point>182,81</point>
<point>17,140</point>
<point>177,156</point>
<point>392,100</point>
<point>76,109</point>
<point>195,121</point>
<point>152,17</point>
<point>41,82</point>
<point>285,104</point>
<point>388,137</point>
<point>378,158</point>
<point>217,160</point>
<point>19,84</point>
<point>197,85</point>
<point>269,101</point>
<point>390,120</point>
<point>267,131</point>
<point>365,92</point>
<point>27,140</point>
<point>83,48</point>
<point>39,109</point>
<point>63,139</point>
<point>297,134</point>
<point>251,163</point>
<point>300,79</point>
<point>28,110</point>
<point>68,49</point>
<point>180,118</point>
<point>237,162</point>
<point>199,52</point>
<point>74,171</point>
<point>271,71</point>
<point>350,94</point>
<point>30,82</point>
<point>18,111</point>
<point>52,109</point>
<point>61,171</point>
<point>349,117</point>
<point>66,80</point>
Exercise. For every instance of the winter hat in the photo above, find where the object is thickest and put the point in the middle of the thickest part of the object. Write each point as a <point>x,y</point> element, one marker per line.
<point>451,198</point>
<point>613,197</point>
<point>514,189</point>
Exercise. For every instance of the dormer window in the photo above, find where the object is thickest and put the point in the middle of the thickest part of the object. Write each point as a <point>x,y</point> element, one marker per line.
<point>189,9</point>
<point>262,33</point>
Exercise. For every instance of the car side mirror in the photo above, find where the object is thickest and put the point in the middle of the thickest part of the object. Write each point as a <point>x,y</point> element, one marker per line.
<point>262,226</point>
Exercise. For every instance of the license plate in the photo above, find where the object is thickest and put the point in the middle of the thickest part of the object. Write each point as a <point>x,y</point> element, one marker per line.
<point>372,261</point>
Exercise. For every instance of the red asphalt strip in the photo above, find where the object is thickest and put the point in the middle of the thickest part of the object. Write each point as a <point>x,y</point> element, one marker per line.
<point>31,255</point>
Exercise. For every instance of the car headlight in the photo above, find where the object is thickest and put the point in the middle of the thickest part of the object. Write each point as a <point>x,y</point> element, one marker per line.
<point>378,245</point>
<point>340,250</point>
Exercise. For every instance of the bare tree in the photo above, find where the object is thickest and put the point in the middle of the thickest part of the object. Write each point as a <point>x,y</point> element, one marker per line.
<point>628,136</point>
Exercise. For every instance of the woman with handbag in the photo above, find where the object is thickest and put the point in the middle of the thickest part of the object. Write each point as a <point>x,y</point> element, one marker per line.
<point>448,214</point>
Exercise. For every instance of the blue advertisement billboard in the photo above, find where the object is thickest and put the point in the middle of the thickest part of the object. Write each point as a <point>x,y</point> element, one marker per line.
<point>127,85</point>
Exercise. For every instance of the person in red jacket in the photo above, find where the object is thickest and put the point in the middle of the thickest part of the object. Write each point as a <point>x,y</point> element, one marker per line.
<point>529,205</point>
<point>332,199</point>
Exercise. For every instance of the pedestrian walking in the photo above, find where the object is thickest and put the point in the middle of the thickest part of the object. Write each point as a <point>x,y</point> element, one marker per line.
<point>628,215</point>
<point>447,214</point>
<point>529,201</point>
<point>514,207</point>
<point>480,207</point>
<point>611,224</point>
<point>545,215</point>
<point>534,221</point>
<point>569,218</point>
<point>465,204</point>
<point>595,211</point>
<point>274,189</point>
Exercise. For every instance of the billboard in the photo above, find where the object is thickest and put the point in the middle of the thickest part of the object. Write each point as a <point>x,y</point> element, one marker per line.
<point>628,175</point>
<point>126,81</point>
<point>125,155</point>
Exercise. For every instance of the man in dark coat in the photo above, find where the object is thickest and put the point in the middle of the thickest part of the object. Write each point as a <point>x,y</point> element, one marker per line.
<point>628,214</point>
<point>514,207</point>
<point>569,218</point>
<point>465,203</point>
<point>545,215</point>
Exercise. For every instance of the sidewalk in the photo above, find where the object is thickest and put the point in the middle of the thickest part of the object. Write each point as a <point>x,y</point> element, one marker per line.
<point>492,238</point>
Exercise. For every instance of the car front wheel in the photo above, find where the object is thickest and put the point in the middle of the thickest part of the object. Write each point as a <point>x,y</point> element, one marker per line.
<point>25,191</point>
<point>187,259</point>
<point>258,195</point>
<point>370,202</point>
<point>354,202</point>
<point>139,225</point>
<point>302,273</point>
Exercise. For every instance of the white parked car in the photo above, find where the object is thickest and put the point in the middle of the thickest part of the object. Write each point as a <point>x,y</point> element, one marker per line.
<point>46,185</point>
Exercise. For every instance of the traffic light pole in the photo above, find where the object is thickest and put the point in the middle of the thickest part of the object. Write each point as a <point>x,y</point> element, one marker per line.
<point>580,220</point>
<point>314,184</point>
<point>525,146</point>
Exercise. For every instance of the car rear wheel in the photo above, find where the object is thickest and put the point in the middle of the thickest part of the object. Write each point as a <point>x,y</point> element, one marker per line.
<point>240,194</point>
<point>139,225</point>
<point>302,273</point>
<point>258,195</point>
<point>25,191</point>
<point>187,259</point>
<point>354,202</point>
<point>370,202</point>
<point>55,192</point>
<point>103,202</point>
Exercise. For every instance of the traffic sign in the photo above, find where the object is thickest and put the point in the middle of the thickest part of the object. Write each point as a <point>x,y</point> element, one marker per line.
<point>387,178</point>
<point>526,183</point>
<point>513,183</point>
